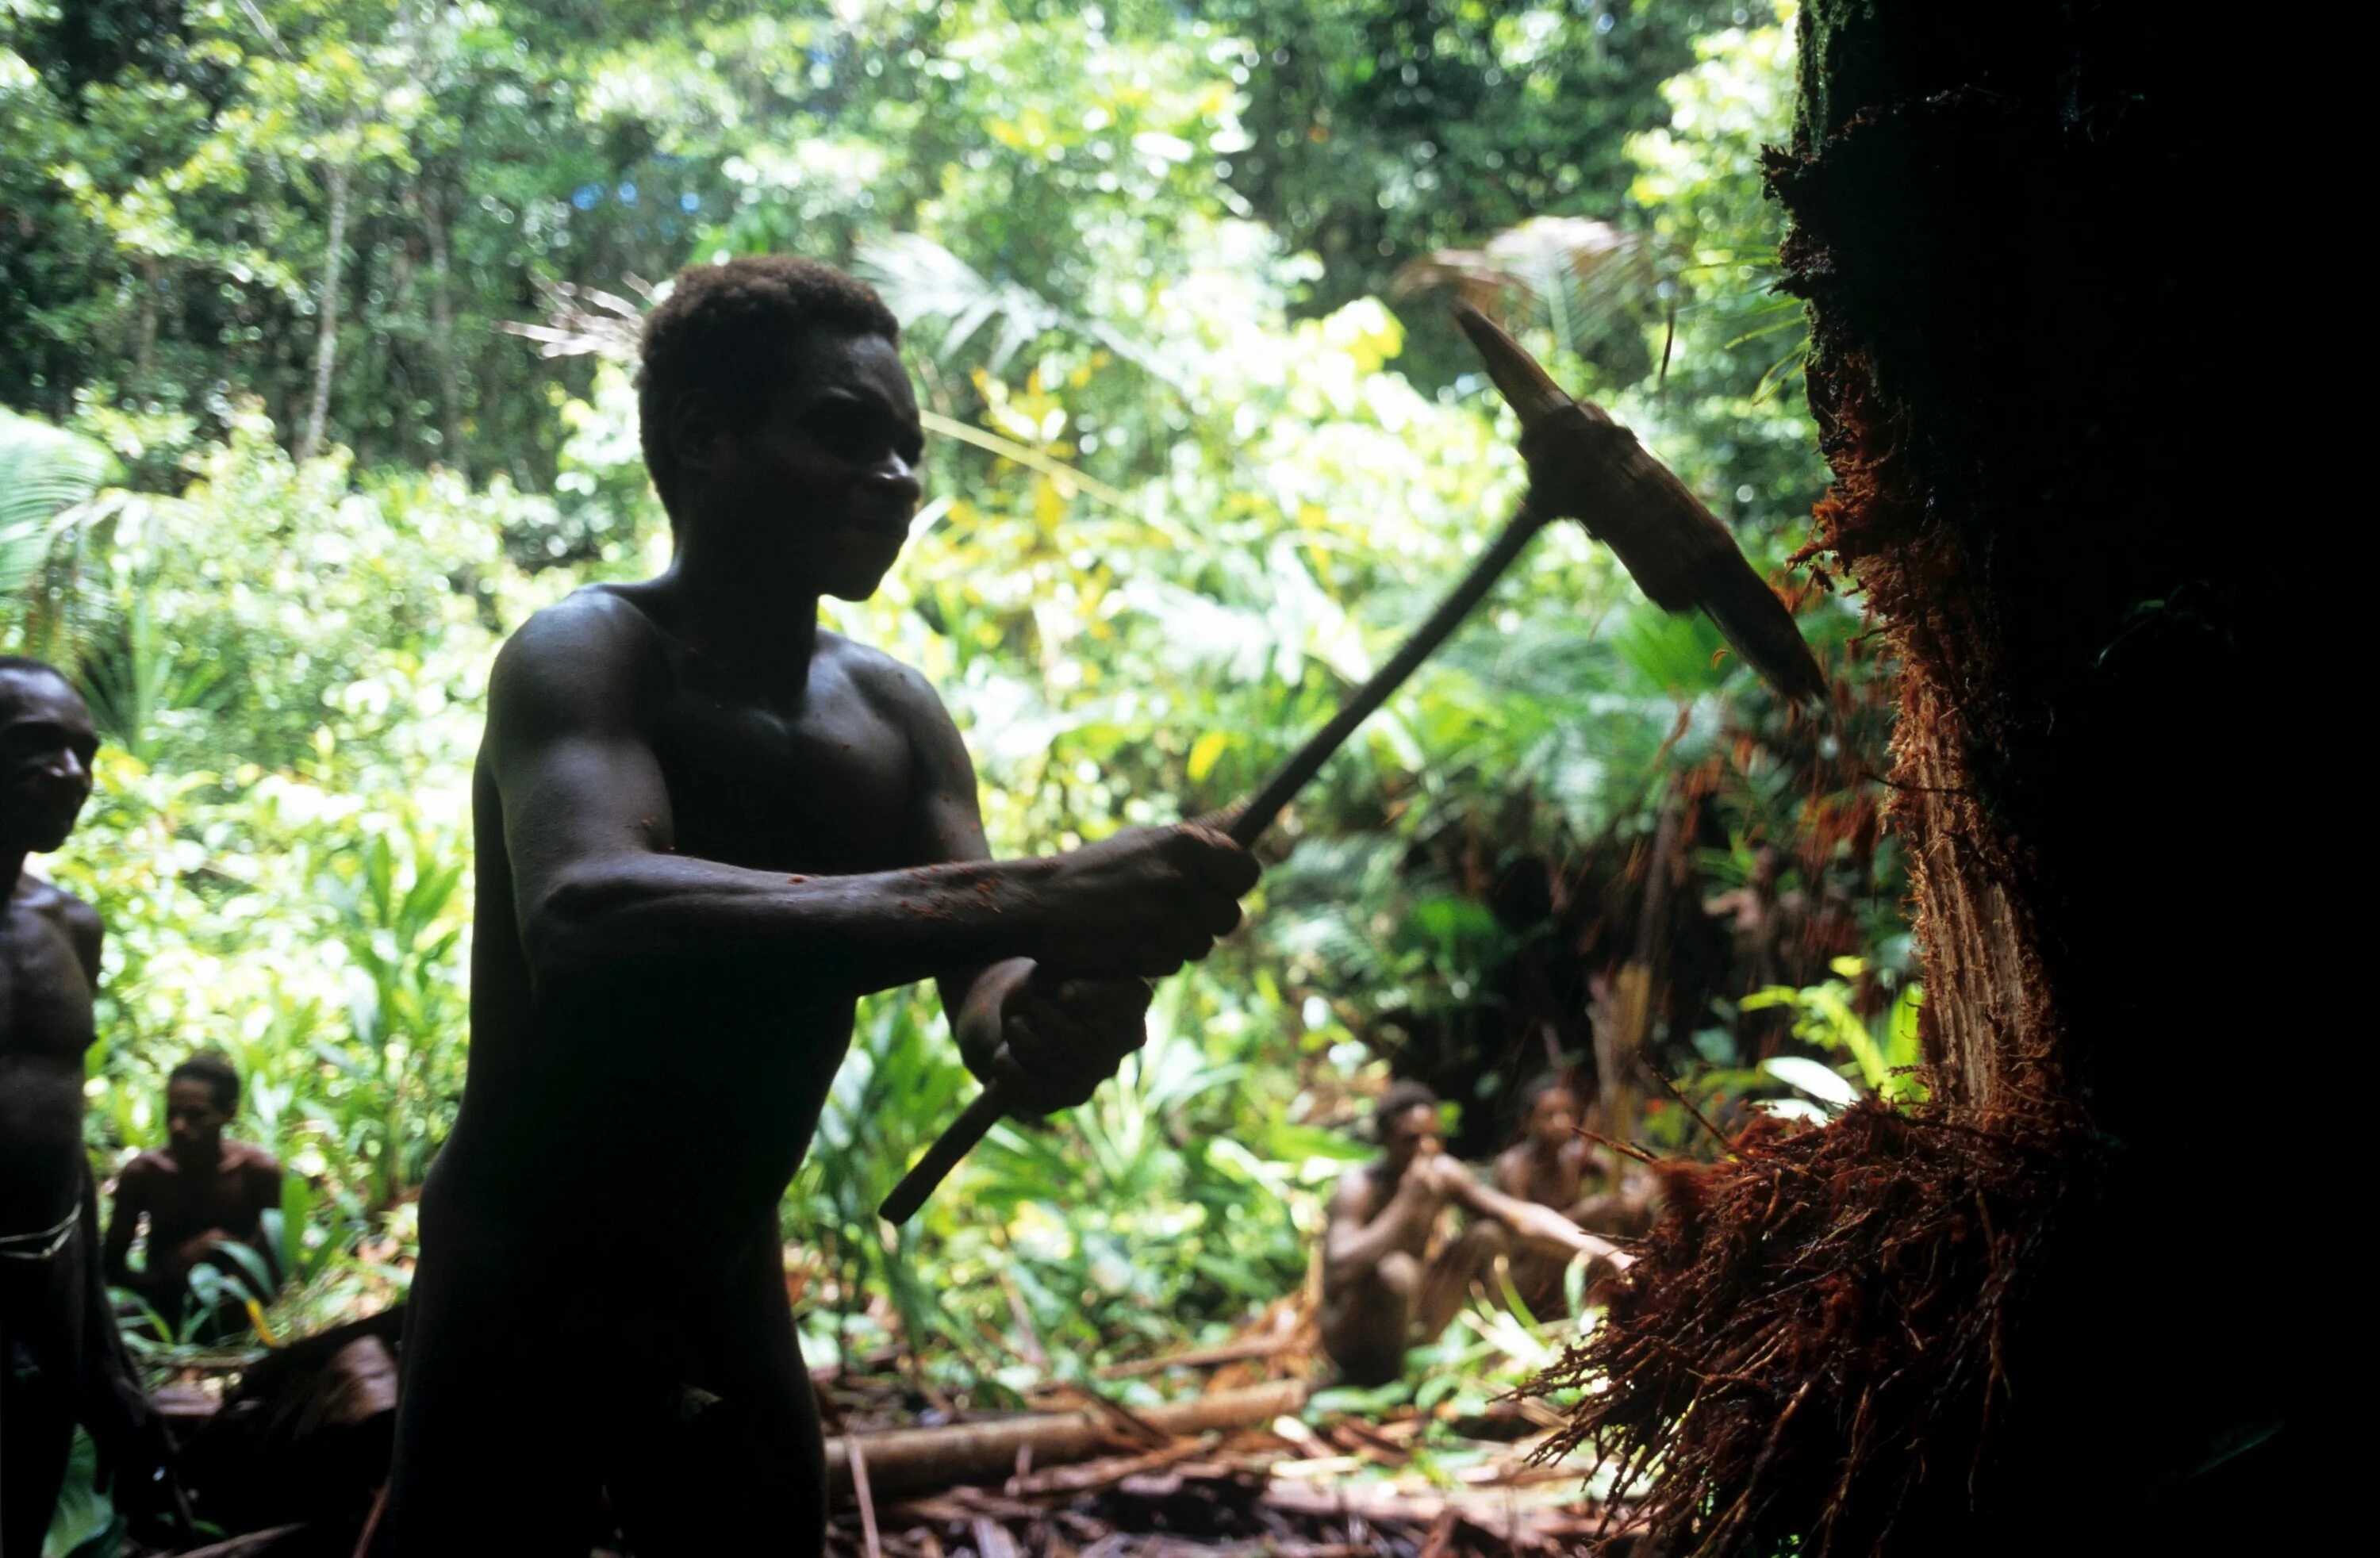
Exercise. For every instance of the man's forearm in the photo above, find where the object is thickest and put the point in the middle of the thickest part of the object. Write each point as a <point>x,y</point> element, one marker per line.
<point>1531,1220</point>
<point>1396,1222</point>
<point>860,933</point>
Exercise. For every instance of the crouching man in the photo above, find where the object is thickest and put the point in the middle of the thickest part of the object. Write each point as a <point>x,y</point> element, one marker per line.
<point>706,825</point>
<point>1390,1279</point>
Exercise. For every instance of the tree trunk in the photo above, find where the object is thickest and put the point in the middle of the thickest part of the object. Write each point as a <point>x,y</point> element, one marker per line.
<point>144,342</point>
<point>2008,224</point>
<point>442,334</point>
<point>2001,221</point>
<point>326,337</point>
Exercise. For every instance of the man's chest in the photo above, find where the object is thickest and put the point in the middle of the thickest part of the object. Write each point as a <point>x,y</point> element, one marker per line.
<point>187,1203</point>
<point>44,994</point>
<point>1554,1184</point>
<point>828,788</point>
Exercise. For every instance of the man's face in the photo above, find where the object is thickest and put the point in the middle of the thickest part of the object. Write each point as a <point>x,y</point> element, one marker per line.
<point>1414,1134</point>
<point>194,1122</point>
<point>825,486</point>
<point>1553,1118</point>
<point>46,746</point>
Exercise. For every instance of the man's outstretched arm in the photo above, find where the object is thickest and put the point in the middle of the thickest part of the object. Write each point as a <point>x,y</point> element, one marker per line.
<point>1048,1040</point>
<point>588,834</point>
<point>1527,1218</point>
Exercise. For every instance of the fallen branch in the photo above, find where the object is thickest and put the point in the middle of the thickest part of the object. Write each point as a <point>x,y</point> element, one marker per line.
<point>260,1544</point>
<point>1071,1481</point>
<point>912,1460</point>
<point>1240,1351</point>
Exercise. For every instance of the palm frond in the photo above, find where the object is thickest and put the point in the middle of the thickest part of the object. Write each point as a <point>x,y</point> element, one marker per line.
<point>47,476</point>
<point>924,283</point>
<point>1583,275</point>
<point>587,320</point>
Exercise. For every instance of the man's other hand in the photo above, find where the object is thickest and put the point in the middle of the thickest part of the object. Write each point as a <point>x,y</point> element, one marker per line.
<point>1050,1041</point>
<point>1146,901</point>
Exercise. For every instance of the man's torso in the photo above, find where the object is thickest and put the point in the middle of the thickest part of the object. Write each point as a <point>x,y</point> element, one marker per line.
<point>1524,1173</point>
<point>45,1026</point>
<point>704,1078</point>
<point>183,1203</point>
<point>1377,1189</point>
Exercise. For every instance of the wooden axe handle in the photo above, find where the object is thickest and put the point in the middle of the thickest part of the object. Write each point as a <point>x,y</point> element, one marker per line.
<point>1249,823</point>
<point>1678,552</point>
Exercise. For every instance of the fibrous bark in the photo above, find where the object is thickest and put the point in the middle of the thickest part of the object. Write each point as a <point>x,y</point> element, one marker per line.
<point>1917,1335</point>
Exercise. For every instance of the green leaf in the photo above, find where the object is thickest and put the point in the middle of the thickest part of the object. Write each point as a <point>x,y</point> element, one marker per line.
<point>1202,753</point>
<point>85,1524</point>
<point>1820,1082</point>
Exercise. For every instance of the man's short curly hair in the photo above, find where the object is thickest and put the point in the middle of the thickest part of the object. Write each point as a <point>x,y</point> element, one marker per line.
<point>210,1070</point>
<point>1544,1083</point>
<point>1403,1097</point>
<point>726,328</point>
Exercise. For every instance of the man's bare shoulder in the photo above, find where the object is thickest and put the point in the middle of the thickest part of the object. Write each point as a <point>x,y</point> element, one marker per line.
<point>897,692</point>
<point>875,673</point>
<point>1358,1194</point>
<point>78,920</point>
<point>152,1163</point>
<point>250,1158</point>
<point>585,650</point>
<point>603,619</point>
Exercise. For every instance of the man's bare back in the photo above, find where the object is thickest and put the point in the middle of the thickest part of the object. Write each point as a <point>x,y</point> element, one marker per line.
<point>705,826</point>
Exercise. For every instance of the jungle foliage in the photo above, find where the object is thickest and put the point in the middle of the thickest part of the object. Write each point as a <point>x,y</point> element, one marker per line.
<point>312,312</point>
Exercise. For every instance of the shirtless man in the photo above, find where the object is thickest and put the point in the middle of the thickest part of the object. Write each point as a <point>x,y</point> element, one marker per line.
<point>1384,1288</point>
<point>61,1360</point>
<point>1553,1165</point>
<point>200,1193</point>
<point>1548,1164</point>
<point>706,826</point>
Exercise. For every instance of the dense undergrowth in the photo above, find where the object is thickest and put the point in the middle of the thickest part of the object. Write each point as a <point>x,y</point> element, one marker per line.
<point>1184,495</point>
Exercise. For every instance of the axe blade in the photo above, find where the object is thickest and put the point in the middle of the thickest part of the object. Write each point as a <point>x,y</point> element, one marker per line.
<point>1672,546</point>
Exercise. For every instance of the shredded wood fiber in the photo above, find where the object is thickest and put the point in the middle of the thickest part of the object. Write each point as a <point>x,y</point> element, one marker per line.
<point>1815,1323</point>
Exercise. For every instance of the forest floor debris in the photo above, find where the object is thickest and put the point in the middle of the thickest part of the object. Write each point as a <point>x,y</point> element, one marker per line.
<point>1240,1457</point>
<point>1246,1494</point>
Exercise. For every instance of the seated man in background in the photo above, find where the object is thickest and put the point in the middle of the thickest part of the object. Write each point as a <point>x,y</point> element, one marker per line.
<point>1554,1164</point>
<point>1550,1165</point>
<point>200,1193</point>
<point>1388,1281</point>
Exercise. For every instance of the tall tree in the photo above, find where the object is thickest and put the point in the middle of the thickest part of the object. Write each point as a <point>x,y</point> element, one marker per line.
<point>1922,1336</point>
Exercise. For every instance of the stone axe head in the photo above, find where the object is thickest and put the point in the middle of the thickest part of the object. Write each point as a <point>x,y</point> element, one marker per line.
<point>1585,466</point>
